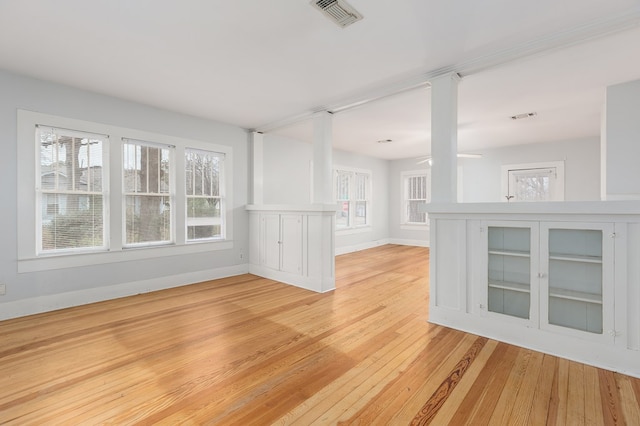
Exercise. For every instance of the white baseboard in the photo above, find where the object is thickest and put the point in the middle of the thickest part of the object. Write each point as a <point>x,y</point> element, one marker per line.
<point>316,284</point>
<point>36,305</point>
<point>608,357</point>
<point>361,246</point>
<point>406,242</point>
<point>372,244</point>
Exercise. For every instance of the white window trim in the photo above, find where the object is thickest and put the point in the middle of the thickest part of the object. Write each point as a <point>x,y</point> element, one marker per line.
<point>171,194</point>
<point>404,225</point>
<point>29,261</point>
<point>222,195</point>
<point>362,228</point>
<point>504,176</point>
<point>105,194</point>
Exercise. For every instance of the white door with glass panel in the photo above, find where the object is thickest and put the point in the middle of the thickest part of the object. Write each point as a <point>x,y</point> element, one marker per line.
<point>533,182</point>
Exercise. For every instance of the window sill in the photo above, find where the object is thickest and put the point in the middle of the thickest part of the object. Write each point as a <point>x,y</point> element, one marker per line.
<point>62,261</point>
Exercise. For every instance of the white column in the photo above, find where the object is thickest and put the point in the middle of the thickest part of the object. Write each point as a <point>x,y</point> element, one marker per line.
<point>322,158</point>
<point>444,138</point>
<point>620,144</point>
<point>257,187</point>
<point>603,152</point>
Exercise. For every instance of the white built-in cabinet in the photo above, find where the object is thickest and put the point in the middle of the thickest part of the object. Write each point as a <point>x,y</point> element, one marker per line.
<point>282,242</point>
<point>554,275</point>
<point>511,257</point>
<point>577,280</point>
<point>293,244</point>
<point>561,278</point>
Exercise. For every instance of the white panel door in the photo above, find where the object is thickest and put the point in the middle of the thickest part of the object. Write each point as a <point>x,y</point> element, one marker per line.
<point>271,241</point>
<point>448,264</point>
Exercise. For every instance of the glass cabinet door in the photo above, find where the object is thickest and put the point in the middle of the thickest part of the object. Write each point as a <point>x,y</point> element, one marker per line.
<point>509,271</point>
<point>575,279</point>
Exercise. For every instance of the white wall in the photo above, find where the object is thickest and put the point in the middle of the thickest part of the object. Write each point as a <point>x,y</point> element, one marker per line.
<point>68,286</point>
<point>621,147</point>
<point>481,178</point>
<point>397,232</point>
<point>378,233</point>
<point>287,180</point>
<point>287,176</point>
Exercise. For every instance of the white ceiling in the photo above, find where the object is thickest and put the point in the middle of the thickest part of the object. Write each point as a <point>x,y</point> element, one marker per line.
<point>255,63</point>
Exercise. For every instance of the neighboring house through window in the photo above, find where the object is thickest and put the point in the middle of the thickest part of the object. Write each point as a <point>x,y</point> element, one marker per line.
<point>71,190</point>
<point>87,187</point>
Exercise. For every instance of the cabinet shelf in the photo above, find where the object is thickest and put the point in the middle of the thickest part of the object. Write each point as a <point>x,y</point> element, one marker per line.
<point>505,285</point>
<point>514,253</point>
<point>579,296</point>
<point>576,258</point>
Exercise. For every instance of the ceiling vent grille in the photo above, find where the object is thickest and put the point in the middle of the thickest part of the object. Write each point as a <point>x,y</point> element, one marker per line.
<point>339,11</point>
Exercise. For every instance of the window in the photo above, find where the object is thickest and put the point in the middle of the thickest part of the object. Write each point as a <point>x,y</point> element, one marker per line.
<point>352,189</point>
<point>70,190</point>
<point>147,190</point>
<point>75,197</point>
<point>415,193</point>
<point>204,171</point>
<point>533,182</point>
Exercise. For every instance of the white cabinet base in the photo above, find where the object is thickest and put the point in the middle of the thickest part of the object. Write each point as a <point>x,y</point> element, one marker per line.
<point>294,245</point>
<point>459,281</point>
<point>316,284</point>
<point>609,357</point>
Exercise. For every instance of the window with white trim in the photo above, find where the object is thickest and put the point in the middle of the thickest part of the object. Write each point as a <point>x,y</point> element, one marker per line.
<point>76,197</point>
<point>352,193</point>
<point>533,182</point>
<point>148,193</point>
<point>205,194</point>
<point>415,193</point>
<point>71,190</point>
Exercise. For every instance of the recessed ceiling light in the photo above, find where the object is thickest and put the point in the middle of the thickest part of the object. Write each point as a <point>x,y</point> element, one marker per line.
<point>524,115</point>
<point>385,141</point>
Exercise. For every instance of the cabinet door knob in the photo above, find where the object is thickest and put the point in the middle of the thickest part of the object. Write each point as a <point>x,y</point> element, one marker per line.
<point>541,275</point>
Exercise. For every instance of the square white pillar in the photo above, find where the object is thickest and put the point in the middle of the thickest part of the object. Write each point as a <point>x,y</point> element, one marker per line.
<point>257,168</point>
<point>444,138</point>
<point>323,158</point>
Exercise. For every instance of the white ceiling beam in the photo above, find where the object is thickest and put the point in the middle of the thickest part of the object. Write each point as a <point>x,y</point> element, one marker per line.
<point>570,37</point>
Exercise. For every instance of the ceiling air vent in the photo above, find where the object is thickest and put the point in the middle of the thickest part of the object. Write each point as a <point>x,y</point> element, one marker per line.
<point>339,11</point>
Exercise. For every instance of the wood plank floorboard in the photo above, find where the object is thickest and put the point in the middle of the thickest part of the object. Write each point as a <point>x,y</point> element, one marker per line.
<point>246,350</point>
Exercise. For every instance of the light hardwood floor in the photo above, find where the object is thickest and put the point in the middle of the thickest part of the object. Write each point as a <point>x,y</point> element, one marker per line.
<point>247,350</point>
